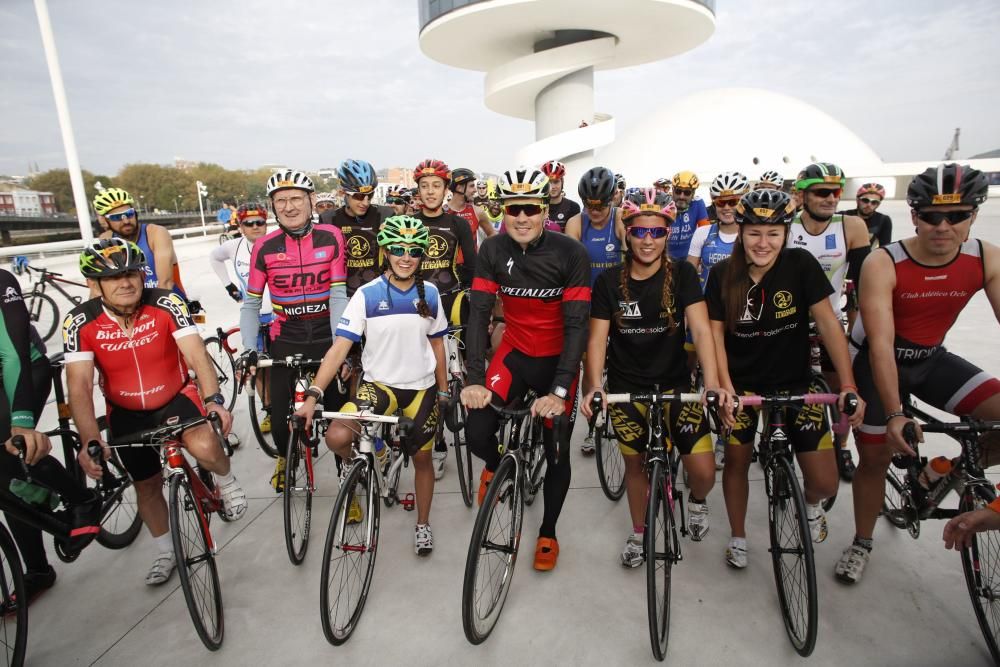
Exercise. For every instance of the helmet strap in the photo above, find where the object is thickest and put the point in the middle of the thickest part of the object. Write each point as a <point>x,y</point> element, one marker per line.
<point>817,218</point>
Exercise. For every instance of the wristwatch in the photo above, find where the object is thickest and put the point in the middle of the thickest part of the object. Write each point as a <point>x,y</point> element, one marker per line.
<point>216,398</point>
<point>561,392</point>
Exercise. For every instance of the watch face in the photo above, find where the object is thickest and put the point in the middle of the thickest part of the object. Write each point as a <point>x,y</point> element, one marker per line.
<point>560,392</point>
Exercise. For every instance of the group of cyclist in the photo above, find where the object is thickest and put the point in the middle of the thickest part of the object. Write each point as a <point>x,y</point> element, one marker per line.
<point>635,289</point>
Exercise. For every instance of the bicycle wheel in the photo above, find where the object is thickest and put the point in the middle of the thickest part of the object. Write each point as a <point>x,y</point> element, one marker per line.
<point>14,620</point>
<point>534,460</point>
<point>489,565</point>
<point>349,556</point>
<point>821,386</point>
<point>44,314</point>
<point>892,502</point>
<point>225,369</point>
<point>297,498</point>
<point>792,556</point>
<point>981,565</point>
<point>391,472</point>
<point>463,456</point>
<point>610,461</point>
<point>660,546</point>
<point>196,562</point>
<point>258,413</point>
<point>120,520</point>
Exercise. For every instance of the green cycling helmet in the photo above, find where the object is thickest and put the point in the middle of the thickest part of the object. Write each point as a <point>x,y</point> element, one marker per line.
<point>403,229</point>
<point>111,257</point>
<point>820,172</point>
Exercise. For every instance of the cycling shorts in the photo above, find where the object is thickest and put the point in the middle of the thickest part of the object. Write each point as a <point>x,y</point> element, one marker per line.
<point>807,426</point>
<point>144,462</point>
<point>686,425</point>
<point>420,405</point>
<point>943,380</point>
<point>456,307</point>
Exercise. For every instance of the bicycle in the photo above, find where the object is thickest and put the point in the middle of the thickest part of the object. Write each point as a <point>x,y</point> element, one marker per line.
<point>788,527</point>
<point>454,417</point>
<point>42,308</point>
<point>661,544</point>
<point>610,460</point>
<point>981,561</point>
<point>221,353</point>
<point>193,498</point>
<point>350,549</point>
<point>496,535</point>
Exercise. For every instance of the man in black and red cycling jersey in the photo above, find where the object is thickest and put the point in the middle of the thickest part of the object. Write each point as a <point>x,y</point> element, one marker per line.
<point>912,291</point>
<point>142,341</point>
<point>463,189</point>
<point>303,266</point>
<point>543,279</point>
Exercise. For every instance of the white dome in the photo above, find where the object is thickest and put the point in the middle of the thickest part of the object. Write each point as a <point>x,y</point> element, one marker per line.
<point>727,129</point>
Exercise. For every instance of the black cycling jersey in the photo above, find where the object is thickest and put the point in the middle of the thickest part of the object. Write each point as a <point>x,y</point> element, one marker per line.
<point>645,352</point>
<point>561,213</point>
<point>769,349</point>
<point>879,228</point>
<point>448,233</point>
<point>20,345</point>
<point>360,239</point>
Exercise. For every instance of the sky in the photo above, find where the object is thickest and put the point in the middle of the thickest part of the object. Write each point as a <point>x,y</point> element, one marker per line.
<point>309,83</point>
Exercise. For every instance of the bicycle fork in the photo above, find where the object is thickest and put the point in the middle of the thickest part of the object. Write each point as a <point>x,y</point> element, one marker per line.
<point>178,465</point>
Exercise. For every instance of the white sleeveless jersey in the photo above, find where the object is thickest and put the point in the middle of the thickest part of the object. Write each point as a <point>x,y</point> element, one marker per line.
<point>829,248</point>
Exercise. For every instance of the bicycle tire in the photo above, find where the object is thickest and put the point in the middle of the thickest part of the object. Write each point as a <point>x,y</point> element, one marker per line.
<point>790,535</point>
<point>257,413</point>
<point>463,455</point>
<point>12,589</point>
<point>534,460</point>
<point>391,477</point>
<point>610,462</point>
<point>337,561</point>
<point>981,566</point>
<point>819,385</point>
<point>196,563</point>
<point>493,538</point>
<point>892,501</point>
<point>296,499</point>
<point>120,520</point>
<point>661,552</point>
<point>225,369</point>
<point>44,314</point>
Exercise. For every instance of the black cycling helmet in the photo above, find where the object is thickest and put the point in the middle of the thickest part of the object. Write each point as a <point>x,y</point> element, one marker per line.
<point>597,186</point>
<point>460,176</point>
<point>357,176</point>
<point>948,184</point>
<point>111,257</point>
<point>765,207</point>
<point>820,172</point>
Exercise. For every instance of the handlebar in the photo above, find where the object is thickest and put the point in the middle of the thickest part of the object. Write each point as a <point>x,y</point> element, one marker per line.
<point>156,436</point>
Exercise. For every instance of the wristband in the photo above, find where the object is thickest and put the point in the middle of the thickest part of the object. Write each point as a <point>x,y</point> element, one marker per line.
<point>845,387</point>
<point>893,415</point>
<point>216,398</point>
<point>315,392</point>
<point>443,394</point>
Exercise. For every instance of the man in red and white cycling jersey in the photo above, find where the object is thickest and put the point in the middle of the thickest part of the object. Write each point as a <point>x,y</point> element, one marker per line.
<point>912,291</point>
<point>303,266</point>
<point>142,341</point>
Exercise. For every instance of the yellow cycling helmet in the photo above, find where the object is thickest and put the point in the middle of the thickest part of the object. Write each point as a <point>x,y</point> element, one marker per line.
<point>110,199</point>
<point>686,180</point>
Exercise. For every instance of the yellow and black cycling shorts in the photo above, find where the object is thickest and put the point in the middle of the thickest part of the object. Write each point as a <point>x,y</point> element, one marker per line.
<point>420,405</point>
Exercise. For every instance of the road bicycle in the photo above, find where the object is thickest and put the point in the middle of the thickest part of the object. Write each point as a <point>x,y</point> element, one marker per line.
<point>610,460</point>
<point>454,417</point>
<point>42,308</point>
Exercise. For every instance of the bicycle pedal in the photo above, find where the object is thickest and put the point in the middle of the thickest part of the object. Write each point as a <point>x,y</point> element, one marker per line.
<point>409,502</point>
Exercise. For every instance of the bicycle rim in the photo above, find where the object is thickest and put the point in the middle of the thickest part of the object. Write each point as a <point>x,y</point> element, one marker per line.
<point>257,415</point>
<point>534,461</point>
<point>489,565</point>
<point>981,565</point>
<point>660,552</point>
<point>120,521</point>
<point>792,557</point>
<point>892,502</point>
<point>225,369</point>
<point>196,563</point>
<point>44,314</point>
<point>14,620</point>
<point>348,557</point>
<point>463,464</point>
<point>297,500</point>
<point>610,462</point>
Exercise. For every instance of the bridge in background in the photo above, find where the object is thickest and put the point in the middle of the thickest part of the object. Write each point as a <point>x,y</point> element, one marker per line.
<point>20,230</point>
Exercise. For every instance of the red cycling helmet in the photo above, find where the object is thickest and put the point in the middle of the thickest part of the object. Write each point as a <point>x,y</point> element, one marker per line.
<point>871,189</point>
<point>431,167</point>
<point>554,169</point>
<point>250,210</point>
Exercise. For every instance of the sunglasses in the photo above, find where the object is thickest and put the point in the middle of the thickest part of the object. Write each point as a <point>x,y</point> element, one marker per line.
<point>415,252</point>
<point>823,193</point>
<point>652,232</point>
<point>726,203</point>
<point>515,210</point>
<point>254,223</point>
<point>592,205</point>
<point>870,202</point>
<point>935,218</point>
<point>686,192</point>
<point>118,217</point>
<point>357,196</point>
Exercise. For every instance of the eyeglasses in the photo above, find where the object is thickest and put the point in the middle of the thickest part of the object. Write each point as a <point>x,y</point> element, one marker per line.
<point>285,202</point>
<point>823,193</point>
<point>935,218</point>
<point>415,252</point>
<point>254,223</point>
<point>726,203</point>
<point>870,202</point>
<point>643,232</point>
<point>118,217</point>
<point>515,210</point>
<point>685,192</point>
<point>358,196</point>
<point>591,205</point>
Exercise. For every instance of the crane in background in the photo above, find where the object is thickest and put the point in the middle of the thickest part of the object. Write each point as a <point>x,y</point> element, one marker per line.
<point>953,147</point>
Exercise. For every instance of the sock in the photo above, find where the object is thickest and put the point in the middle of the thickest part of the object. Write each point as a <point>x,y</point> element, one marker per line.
<point>739,542</point>
<point>163,544</point>
<point>222,480</point>
<point>422,525</point>
<point>692,499</point>
<point>865,543</point>
<point>639,530</point>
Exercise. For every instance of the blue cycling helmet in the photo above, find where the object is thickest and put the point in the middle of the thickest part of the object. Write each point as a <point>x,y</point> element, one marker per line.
<point>357,176</point>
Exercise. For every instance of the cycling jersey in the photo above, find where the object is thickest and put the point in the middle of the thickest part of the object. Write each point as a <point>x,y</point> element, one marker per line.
<point>829,247</point>
<point>470,216</point>
<point>561,213</point>
<point>143,370</point>
<point>237,251</point>
<point>495,220</point>
<point>879,227</point>
<point>683,228</point>
<point>441,265</point>
<point>151,280</point>
<point>545,292</point>
<point>301,274</point>
<point>362,247</point>
<point>20,346</point>
<point>710,245</point>
<point>603,245</point>
<point>396,352</point>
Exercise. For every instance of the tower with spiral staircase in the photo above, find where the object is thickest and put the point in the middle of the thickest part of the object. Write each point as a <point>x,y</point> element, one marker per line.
<point>540,56</point>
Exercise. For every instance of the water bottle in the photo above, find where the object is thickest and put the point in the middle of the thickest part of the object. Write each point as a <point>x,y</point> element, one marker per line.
<point>381,451</point>
<point>300,393</point>
<point>934,470</point>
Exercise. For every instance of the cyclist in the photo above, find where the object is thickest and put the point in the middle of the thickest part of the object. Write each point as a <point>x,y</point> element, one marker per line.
<point>914,290</point>
<point>959,530</point>
<point>27,378</point>
<point>303,266</point>
<point>403,323</point>
<point>358,221</point>
<point>620,187</point>
<point>325,201</point>
<point>494,207</point>
<point>451,257</point>
<point>543,281</point>
<point>116,208</point>
<point>599,226</point>
<point>770,180</point>
<point>463,188</point>
<point>662,185</point>
<point>645,306</point>
<point>142,342</point>
<point>561,208</point>
<point>869,197</point>
<point>398,198</point>
<point>760,300</point>
<point>691,214</point>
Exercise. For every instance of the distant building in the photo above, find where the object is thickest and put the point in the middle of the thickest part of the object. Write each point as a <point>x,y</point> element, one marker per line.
<point>7,203</point>
<point>397,176</point>
<point>184,165</point>
<point>30,202</point>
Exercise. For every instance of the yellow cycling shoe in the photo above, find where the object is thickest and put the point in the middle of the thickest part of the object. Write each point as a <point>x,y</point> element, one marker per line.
<point>265,424</point>
<point>278,478</point>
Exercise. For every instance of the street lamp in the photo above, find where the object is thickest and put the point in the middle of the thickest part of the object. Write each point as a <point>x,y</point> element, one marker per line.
<point>141,198</point>
<point>202,192</point>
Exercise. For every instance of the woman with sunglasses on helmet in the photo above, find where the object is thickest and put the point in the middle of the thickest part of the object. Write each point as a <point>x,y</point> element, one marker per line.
<point>760,301</point>
<point>403,322</point>
<point>638,316</point>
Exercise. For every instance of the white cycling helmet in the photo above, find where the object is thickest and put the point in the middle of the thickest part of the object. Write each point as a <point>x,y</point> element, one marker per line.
<point>771,178</point>
<point>729,184</point>
<point>326,196</point>
<point>289,178</point>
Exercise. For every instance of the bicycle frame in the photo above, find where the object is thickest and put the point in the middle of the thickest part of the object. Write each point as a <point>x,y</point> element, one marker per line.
<point>51,278</point>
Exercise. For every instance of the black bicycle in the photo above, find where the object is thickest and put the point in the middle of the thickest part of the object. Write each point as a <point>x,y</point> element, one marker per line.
<point>42,308</point>
<point>610,461</point>
<point>454,417</point>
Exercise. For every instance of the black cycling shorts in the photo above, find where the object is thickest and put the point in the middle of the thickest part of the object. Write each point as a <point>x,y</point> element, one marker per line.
<point>686,425</point>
